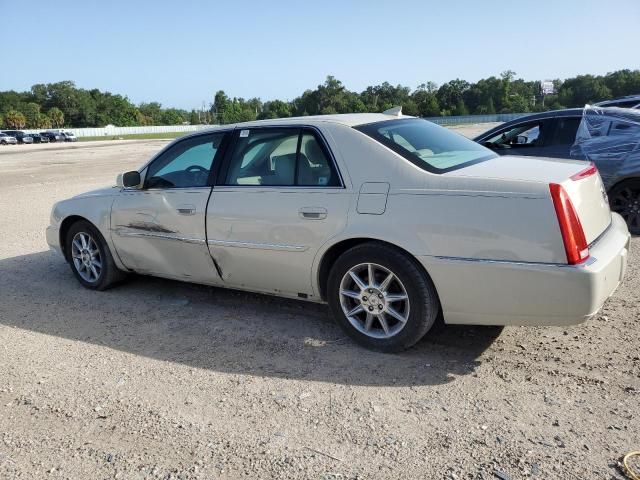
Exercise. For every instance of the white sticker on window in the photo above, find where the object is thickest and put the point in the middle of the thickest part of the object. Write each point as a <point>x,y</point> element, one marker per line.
<point>244,133</point>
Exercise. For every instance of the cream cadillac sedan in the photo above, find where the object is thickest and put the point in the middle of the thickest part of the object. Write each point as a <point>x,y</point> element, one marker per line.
<point>389,219</point>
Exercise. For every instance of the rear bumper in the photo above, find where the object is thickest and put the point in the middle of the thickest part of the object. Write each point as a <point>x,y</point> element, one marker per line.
<point>485,292</point>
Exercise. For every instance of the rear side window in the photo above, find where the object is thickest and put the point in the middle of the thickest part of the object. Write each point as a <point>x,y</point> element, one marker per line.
<point>280,157</point>
<point>565,131</point>
<point>429,146</point>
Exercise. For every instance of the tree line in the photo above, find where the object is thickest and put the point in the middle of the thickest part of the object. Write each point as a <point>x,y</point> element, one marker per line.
<point>63,104</point>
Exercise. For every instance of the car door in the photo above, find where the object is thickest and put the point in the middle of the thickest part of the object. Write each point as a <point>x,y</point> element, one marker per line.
<point>159,229</point>
<point>561,137</point>
<point>279,198</point>
<point>528,138</point>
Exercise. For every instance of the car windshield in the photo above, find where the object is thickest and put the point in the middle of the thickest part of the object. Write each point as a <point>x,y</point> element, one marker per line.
<point>427,145</point>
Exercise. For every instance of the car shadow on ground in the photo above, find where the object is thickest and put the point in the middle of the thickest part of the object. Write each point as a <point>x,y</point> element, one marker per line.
<point>222,330</point>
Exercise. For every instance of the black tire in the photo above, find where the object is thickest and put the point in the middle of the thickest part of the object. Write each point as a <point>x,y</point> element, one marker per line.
<point>109,274</point>
<point>423,299</point>
<point>624,198</point>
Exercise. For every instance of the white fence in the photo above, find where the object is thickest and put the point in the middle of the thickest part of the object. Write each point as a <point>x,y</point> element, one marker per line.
<point>111,131</point>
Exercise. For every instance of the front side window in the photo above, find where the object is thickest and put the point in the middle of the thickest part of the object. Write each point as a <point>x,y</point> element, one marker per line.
<point>187,164</point>
<point>524,135</point>
<point>280,157</point>
<point>429,146</point>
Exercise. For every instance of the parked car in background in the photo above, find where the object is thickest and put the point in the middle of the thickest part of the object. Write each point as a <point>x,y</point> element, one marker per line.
<point>69,136</point>
<point>53,136</point>
<point>20,136</point>
<point>7,139</point>
<point>37,138</point>
<point>391,220</point>
<point>610,138</point>
<point>630,101</point>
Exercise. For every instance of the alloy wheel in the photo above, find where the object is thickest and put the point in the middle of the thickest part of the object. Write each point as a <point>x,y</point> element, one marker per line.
<point>86,257</point>
<point>374,300</point>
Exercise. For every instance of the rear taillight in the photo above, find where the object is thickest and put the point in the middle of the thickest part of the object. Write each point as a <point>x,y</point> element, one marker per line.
<point>587,172</point>
<point>575,243</point>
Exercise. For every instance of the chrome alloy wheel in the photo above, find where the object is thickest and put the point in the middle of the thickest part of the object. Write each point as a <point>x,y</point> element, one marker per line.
<point>374,300</point>
<point>86,257</point>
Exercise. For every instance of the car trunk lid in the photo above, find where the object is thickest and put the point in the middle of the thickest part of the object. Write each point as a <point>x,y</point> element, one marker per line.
<point>579,179</point>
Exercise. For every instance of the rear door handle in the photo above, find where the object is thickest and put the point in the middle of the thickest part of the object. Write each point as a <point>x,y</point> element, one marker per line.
<point>186,209</point>
<point>313,213</point>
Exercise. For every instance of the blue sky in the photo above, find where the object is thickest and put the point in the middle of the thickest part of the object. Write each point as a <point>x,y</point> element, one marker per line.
<point>180,53</point>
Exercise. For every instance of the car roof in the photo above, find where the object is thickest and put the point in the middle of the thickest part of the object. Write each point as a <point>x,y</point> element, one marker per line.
<point>626,98</point>
<point>348,119</point>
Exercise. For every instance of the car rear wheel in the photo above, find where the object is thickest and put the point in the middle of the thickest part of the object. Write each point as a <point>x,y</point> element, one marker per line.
<point>625,200</point>
<point>381,297</point>
<point>89,257</point>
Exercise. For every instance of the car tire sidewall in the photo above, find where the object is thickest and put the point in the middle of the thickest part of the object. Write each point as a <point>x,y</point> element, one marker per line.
<point>634,184</point>
<point>424,304</point>
<point>105,255</point>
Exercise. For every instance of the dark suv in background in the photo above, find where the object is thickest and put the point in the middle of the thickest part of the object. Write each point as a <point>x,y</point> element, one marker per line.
<point>53,137</point>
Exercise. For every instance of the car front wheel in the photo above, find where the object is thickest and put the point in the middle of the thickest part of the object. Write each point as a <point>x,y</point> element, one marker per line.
<point>381,297</point>
<point>89,257</point>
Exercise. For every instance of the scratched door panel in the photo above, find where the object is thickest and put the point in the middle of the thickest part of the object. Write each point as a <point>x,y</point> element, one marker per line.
<point>162,232</point>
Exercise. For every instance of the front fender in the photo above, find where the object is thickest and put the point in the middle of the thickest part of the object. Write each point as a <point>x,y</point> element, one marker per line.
<point>94,208</point>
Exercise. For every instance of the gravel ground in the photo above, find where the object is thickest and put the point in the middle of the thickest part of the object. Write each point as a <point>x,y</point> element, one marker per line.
<point>160,379</point>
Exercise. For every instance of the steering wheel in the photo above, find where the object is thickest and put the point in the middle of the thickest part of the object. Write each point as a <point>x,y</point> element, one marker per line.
<point>196,168</point>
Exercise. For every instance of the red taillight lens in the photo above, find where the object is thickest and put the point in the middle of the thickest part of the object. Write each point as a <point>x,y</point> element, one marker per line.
<point>575,243</point>
<point>587,172</point>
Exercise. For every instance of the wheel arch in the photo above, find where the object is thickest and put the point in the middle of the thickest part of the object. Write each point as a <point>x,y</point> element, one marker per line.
<point>330,256</point>
<point>622,181</point>
<point>65,225</point>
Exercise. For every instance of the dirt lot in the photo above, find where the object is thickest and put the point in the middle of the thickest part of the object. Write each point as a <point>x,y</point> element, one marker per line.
<point>158,379</point>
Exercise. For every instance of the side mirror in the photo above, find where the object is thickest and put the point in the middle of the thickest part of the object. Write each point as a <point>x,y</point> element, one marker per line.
<point>131,179</point>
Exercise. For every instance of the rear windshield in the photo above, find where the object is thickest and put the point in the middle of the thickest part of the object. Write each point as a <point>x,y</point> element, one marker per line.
<point>427,145</point>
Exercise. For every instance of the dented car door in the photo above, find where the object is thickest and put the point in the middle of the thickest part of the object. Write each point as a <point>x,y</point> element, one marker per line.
<point>159,228</point>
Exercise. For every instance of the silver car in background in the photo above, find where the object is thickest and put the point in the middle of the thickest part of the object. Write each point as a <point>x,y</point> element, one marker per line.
<point>7,139</point>
<point>391,220</point>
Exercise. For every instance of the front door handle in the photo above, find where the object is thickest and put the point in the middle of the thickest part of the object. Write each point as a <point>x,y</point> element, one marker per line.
<point>186,209</point>
<point>313,213</point>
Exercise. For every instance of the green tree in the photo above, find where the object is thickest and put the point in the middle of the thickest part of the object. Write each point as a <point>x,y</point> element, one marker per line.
<point>43,121</point>
<point>220,104</point>
<point>461,108</point>
<point>451,94</point>
<point>426,100</point>
<point>31,112</point>
<point>56,116</point>
<point>15,119</point>
<point>583,89</point>
<point>275,109</point>
<point>237,111</point>
<point>152,112</point>
<point>172,116</point>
